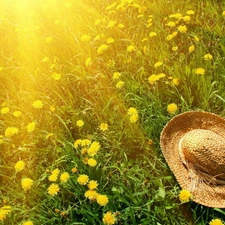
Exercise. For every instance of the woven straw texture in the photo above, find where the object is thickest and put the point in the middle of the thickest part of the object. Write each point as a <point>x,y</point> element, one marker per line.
<point>203,143</point>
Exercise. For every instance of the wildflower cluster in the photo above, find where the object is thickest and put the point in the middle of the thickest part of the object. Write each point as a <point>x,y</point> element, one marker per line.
<point>133,113</point>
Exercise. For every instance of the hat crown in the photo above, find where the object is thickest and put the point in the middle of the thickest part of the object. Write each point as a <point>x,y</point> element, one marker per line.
<point>205,149</point>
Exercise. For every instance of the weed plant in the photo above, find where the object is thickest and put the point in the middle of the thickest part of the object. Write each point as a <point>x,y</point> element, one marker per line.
<point>86,88</point>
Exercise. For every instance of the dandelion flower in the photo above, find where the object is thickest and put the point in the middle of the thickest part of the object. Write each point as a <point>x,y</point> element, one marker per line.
<point>53,189</point>
<point>92,162</point>
<point>172,108</point>
<point>171,24</point>
<point>190,12</point>
<point>223,13</point>
<point>64,177</point>
<point>4,110</point>
<point>103,126</point>
<point>152,34</point>
<point>56,171</point>
<point>31,127</point>
<point>29,222</point>
<point>56,76</point>
<point>175,81</point>
<point>53,177</point>
<point>94,148</point>
<point>184,196</point>
<point>191,48</point>
<point>102,48</point>
<point>131,111</point>
<point>85,38</point>
<point>109,218</point>
<point>200,71</point>
<point>216,222</point>
<point>91,194</point>
<point>92,184</point>
<point>111,23</point>
<point>134,118</point>
<point>17,113</point>
<point>83,179</point>
<point>102,200</point>
<point>174,48</point>
<point>74,170</point>
<point>27,183</point>
<point>182,28</point>
<point>77,143</point>
<point>37,104</point>
<point>88,62</point>
<point>186,18</point>
<point>110,40</point>
<point>119,84</point>
<point>80,123</point>
<point>4,211</point>
<point>19,165</point>
<point>116,75</point>
<point>10,131</point>
<point>158,64</point>
<point>130,48</point>
<point>208,56</point>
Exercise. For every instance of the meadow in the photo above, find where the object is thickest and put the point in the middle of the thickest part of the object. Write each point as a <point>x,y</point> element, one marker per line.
<point>86,88</point>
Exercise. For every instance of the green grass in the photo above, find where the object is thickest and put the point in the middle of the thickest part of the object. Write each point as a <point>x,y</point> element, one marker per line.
<point>41,38</point>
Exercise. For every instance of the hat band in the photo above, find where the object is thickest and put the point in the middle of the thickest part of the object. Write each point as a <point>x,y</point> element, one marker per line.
<point>194,173</point>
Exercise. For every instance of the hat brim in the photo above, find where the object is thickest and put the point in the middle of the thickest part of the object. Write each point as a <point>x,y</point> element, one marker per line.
<point>203,192</point>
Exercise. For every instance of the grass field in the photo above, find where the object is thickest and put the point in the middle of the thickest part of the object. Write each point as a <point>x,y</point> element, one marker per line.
<point>86,88</point>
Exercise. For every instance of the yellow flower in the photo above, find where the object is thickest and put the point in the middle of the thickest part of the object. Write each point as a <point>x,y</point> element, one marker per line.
<point>131,111</point>
<point>56,172</point>
<point>216,222</point>
<point>111,23</point>
<point>77,143</point>
<point>153,78</point>
<point>152,34</point>
<point>184,196</point>
<point>158,64</point>
<point>172,108</point>
<point>80,123</point>
<point>19,165</point>
<point>102,48</point>
<point>223,13</point>
<point>27,183</point>
<point>31,127</point>
<point>186,18</point>
<point>29,222</point>
<point>130,48</point>
<point>74,170</point>
<point>85,38</point>
<point>182,28</point>
<point>53,177</point>
<point>10,131</point>
<point>109,218</point>
<point>175,81</point>
<point>102,200</point>
<point>91,194</point>
<point>200,71</point>
<point>191,48</point>
<point>93,184</point>
<point>53,189</point>
<point>121,25</point>
<point>116,75</point>
<point>88,62</point>
<point>208,56</point>
<point>134,118</point>
<point>103,126</point>
<point>4,110</point>
<point>94,148</point>
<point>17,113</point>
<point>56,76</point>
<point>171,24</point>
<point>64,177</point>
<point>174,48</point>
<point>169,37</point>
<point>92,162</point>
<point>4,211</point>
<point>196,38</point>
<point>37,104</point>
<point>119,84</point>
<point>83,179</point>
<point>190,12</point>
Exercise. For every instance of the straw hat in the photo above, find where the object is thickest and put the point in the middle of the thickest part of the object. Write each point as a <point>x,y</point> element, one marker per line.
<point>193,144</point>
